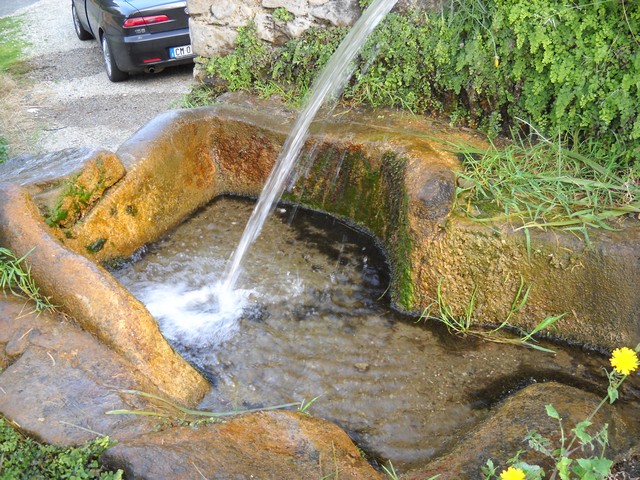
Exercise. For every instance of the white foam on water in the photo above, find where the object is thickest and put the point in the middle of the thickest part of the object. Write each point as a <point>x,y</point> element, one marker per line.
<point>197,316</point>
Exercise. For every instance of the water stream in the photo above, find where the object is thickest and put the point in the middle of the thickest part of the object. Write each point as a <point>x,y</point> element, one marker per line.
<point>328,85</point>
<point>313,321</point>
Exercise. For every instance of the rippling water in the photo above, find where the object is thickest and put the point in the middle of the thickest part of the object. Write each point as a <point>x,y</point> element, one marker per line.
<point>309,319</point>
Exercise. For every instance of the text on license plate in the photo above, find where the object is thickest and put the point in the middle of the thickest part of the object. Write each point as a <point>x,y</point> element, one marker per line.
<point>183,51</point>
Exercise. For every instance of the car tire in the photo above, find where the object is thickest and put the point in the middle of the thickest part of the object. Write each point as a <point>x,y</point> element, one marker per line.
<point>113,72</point>
<point>80,31</point>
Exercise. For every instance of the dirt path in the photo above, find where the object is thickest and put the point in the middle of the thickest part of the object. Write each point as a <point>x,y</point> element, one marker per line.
<point>67,100</point>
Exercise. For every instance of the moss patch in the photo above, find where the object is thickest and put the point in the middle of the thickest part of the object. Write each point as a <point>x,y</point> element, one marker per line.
<point>370,192</point>
<point>96,246</point>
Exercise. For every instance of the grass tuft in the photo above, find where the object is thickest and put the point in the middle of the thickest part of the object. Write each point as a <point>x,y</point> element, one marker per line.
<point>15,276</point>
<point>172,411</point>
<point>544,185</point>
<point>464,325</point>
<point>11,45</point>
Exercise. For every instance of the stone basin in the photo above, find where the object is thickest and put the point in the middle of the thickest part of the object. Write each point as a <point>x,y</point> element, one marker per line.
<point>390,175</point>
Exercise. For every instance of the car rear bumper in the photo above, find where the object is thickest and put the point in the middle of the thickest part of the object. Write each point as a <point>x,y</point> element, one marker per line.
<point>137,52</point>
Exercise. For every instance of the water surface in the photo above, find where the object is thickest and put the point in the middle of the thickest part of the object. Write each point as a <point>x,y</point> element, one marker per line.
<point>310,319</point>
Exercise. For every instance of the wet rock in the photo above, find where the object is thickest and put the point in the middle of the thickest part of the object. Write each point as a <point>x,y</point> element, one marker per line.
<point>19,342</point>
<point>434,187</point>
<point>594,285</point>
<point>502,435</point>
<point>83,190</point>
<point>61,383</point>
<point>388,175</point>
<point>49,167</point>
<point>266,445</point>
<point>65,184</point>
<point>94,299</point>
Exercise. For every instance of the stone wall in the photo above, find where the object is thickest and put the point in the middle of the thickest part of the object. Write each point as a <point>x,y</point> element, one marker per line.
<point>214,24</point>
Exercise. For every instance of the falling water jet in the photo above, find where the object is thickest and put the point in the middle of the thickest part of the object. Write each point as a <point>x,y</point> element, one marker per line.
<point>329,84</point>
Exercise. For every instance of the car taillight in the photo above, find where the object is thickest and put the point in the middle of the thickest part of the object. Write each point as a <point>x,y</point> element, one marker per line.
<point>142,21</point>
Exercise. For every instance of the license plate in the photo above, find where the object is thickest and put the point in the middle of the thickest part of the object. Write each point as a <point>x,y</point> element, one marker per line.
<point>183,51</point>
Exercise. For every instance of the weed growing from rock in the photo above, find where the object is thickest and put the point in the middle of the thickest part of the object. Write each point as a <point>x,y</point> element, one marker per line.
<point>545,185</point>
<point>15,277</point>
<point>464,324</point>
<point>566,457</point>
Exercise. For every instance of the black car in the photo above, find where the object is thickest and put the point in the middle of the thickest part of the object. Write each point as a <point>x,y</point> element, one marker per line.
<point>136,35</point>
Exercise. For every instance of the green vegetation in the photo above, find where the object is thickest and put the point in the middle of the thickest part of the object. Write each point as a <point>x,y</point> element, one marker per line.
<point>4,150</point>
<point>570,70</point>
<point>96,246</point>
<point>393,172</point>
<point>70,202</point>
<point>464,324</point>
<point>287,72</point>
<point>11,45</point>
<point>74,199</point>
<point>11,66</point>
<point>282,14</point>
<point>581,455</point>
<point>243,68</point>
<point>15,277</point>
<point>24,458</point>
<point>545,185</point>
<point>528,69</point>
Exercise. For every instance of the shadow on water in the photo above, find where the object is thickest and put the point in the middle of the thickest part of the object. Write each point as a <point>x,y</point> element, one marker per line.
<point>311,320</point>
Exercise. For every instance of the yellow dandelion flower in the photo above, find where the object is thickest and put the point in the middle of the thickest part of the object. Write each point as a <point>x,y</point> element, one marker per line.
<point>512,473</point>
<point>624,360</point>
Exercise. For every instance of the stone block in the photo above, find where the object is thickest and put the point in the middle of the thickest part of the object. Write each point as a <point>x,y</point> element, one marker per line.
<point>296,27</point>
<point>212,40</point>
<point>339,13</point>
<point>198,7</point>
<point>296,7</point>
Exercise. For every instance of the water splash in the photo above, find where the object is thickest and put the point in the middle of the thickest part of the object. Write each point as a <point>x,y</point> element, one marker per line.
<point>188,315</point>
<point>329,84</point>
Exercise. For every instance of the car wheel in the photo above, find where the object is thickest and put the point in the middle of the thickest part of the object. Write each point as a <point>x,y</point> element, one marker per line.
<point>80,31</point>
<point>113,72</point>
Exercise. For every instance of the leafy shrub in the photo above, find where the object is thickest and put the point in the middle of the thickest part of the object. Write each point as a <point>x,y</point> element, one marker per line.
<point>24,458</point>
<point>567,70</point>
<point>246,66</point>
<point>298,61</point>
<point>282,14</point>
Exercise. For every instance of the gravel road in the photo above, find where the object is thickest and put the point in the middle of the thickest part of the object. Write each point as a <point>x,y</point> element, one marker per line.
<point>68,100</point>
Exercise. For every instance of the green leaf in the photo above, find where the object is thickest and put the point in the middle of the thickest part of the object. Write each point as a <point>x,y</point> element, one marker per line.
<point>581,433</point>
<point>612,393</point>
<point>552,412</point>
<point>538,443</point>
<point>533,472</point>
<point>563,467</point>
<point>592,468</point>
